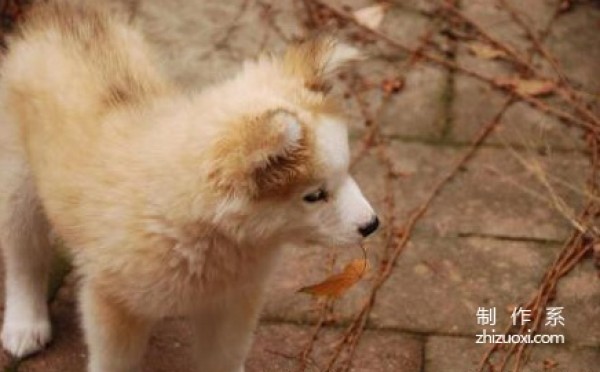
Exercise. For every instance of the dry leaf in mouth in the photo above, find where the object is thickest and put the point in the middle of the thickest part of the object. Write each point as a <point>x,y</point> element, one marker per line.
<point>371,16</point>
<point>528,87</point>
<point>337,284</point>
<point>485,51</point>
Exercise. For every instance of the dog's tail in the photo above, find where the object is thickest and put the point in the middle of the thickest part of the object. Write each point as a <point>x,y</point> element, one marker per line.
<point>68,65</point>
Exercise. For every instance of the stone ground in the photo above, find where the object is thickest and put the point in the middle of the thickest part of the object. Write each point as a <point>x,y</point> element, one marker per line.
<point>485,242</point>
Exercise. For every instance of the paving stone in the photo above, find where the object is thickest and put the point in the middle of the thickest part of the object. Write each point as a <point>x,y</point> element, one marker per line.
<point>170,347</point>
<point>198,42</point>
<point>406,27</point>
<point>117,8</point>
<point>476,103</point>
<point>574,41</point>
<point>463,355</point>
<point>579,294</point>
<point>422,6</point>
<point>402,21</point>
<point>498,23</point>
<point>378,350</point>
<point>419,110</point>
<point>489,198</point>
<point>372,72</point>
<point>304,266</point>
<point>486,198</point>
<point>438,286</point>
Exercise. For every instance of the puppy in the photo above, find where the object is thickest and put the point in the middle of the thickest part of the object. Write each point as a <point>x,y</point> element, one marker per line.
<point>171,203</point>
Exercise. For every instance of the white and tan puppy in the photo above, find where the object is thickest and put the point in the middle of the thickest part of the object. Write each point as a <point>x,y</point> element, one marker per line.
<point>171,203</point>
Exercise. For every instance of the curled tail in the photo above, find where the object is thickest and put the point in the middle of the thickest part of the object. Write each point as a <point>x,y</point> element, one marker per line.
<point>68,63</point>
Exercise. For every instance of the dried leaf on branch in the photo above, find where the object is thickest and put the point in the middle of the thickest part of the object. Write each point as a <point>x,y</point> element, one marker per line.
<point>338,284</point>
<point>485,51</point>
<point>528,87</point>
<point>371,16</point>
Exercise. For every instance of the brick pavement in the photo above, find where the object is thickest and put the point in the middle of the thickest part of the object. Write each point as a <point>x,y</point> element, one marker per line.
<point>484,242</point>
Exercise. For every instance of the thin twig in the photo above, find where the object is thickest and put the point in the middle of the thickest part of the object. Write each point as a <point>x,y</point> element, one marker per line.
<point>539,104</point>
<point>567,92</point>
<point>520,61</point>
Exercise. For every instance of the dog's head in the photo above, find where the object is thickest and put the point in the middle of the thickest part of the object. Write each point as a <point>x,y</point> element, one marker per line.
<point>281,167</point>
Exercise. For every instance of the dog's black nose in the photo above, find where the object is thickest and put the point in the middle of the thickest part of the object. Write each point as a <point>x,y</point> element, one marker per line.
<point>368,229</point>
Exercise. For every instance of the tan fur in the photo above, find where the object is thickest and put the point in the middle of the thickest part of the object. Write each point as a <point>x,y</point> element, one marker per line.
<point>250,143</point>
<point>171,204</point>
<point>310,60</point>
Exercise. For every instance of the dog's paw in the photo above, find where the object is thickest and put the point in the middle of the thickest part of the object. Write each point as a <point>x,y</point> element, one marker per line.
<point>22,339</point>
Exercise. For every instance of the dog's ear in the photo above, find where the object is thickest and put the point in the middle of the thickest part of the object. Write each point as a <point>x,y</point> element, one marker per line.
<point>263,155</point>
<point>315,60</point>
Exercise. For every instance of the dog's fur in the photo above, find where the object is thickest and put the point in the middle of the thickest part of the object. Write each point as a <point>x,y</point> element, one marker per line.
<point>171,203</point>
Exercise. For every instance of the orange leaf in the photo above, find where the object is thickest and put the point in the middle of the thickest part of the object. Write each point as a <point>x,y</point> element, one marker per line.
<point>336,285</point>
<point>528,87</point>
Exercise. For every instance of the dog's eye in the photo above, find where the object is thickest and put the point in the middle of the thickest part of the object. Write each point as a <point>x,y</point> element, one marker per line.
<point>316,196</point>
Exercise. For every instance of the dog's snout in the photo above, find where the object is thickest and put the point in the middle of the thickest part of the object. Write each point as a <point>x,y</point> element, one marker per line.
<point>369,228</point>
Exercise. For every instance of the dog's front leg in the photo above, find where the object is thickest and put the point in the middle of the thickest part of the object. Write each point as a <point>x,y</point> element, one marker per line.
<point>223,332</point>
<point>115,337</point>
<point>27,256</point>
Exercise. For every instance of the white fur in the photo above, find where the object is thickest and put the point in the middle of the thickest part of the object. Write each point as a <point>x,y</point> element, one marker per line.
<point>340,55</point>
<point>332,144</point>
<point>292,131</point>
<point>25,242</point>
<point>351,208</point>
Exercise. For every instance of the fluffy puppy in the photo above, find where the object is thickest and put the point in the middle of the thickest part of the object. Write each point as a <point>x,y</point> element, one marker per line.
<point>171,203</point>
